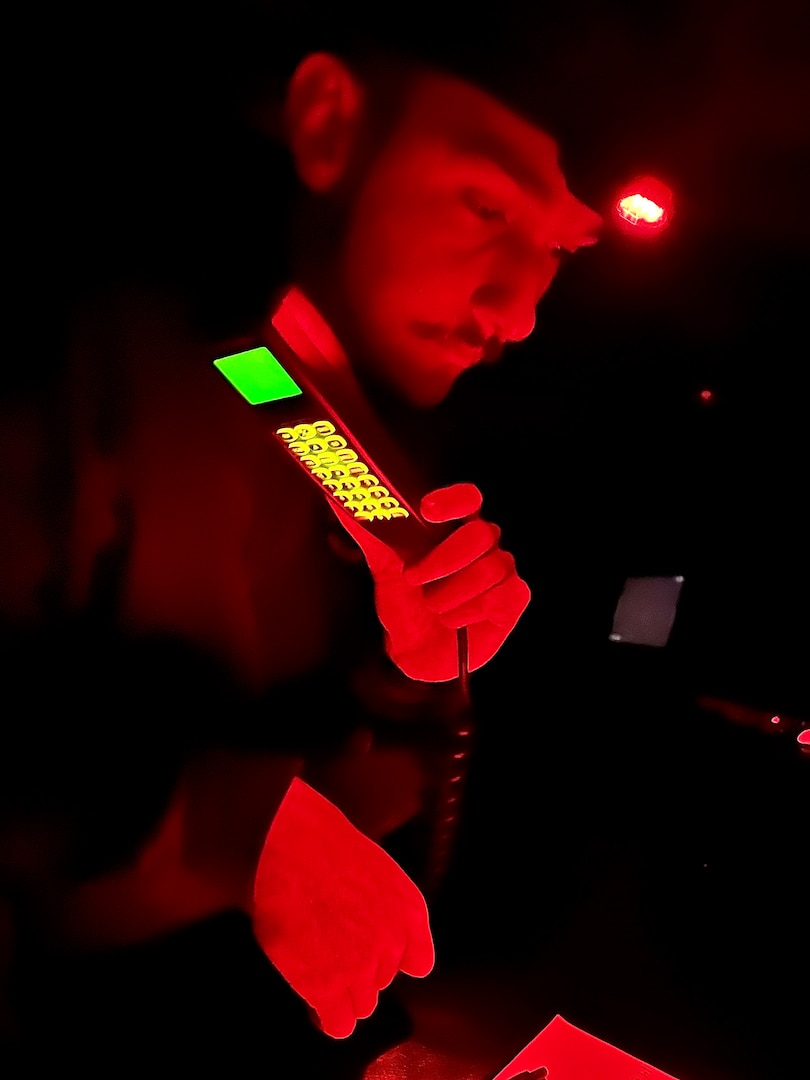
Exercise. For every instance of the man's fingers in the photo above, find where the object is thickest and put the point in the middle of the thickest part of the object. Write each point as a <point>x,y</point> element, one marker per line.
<point>388,969</point>
<point>420,955</point>
<point>471,583</point>
<point>451,503</point>
<point>337,1017</point>
<point>364,1000</point>
<point>468,543</point>
<point>501,606</point>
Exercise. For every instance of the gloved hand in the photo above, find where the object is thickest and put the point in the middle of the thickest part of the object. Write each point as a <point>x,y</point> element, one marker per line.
<point>334,913</point>
<point>466,580</point>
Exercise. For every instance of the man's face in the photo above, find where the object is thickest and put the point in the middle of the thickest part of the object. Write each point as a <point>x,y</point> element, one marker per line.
<point>456,232</point>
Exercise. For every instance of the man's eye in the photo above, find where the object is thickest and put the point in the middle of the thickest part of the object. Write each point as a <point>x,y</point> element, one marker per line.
<point>483,207</point>
<point>490,213</point>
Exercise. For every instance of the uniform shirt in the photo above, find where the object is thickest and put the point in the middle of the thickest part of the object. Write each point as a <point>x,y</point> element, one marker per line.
<point>169,577</point>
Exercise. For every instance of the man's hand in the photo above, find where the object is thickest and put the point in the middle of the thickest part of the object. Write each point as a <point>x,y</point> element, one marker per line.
<point>467,580</point>
<point>334,913</point>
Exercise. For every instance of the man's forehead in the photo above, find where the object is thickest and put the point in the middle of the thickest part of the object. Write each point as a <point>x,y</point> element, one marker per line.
<point>476,122</point>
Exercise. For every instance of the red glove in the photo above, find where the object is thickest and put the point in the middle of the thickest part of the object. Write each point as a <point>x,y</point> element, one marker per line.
<point>334,913</point>
<point>466,580</point>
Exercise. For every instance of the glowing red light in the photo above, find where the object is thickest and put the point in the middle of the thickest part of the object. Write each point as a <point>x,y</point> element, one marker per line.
<point>803,738</point>
<point>775,720</point>
<point>706,395</point>
<point>635,208</point>
<point>643,207</point>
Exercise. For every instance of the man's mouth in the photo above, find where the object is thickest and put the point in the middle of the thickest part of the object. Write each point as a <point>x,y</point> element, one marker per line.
<point>467,342</point>
<point>493,350</point>
<point>487,349</point>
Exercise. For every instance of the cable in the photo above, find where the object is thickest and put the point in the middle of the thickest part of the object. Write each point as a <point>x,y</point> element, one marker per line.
<point>453,776</point>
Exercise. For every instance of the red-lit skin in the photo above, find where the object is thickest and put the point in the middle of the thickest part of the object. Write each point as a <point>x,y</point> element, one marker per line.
<point>443,259</point>
<point>454,236</point>
<point>365,944</point>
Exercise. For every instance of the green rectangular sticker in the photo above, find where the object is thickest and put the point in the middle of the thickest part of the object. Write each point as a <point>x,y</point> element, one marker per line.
<point>258,376</point>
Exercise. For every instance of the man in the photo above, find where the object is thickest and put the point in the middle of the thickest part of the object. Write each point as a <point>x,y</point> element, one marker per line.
<point>205,587</point>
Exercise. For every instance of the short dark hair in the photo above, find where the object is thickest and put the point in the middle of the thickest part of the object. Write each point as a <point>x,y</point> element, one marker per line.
<point>537,56</point>
<point>140,122</point>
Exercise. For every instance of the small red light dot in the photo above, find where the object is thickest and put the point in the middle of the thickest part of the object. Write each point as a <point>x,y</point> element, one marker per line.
<point>803,738</point>
<point>775,720</point>
<point>706,395</point>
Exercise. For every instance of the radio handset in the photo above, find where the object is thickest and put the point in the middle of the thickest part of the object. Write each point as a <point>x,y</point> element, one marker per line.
<point>296,372</point>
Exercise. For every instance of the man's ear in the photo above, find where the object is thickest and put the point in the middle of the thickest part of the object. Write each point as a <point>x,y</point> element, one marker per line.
<point>322,115</point>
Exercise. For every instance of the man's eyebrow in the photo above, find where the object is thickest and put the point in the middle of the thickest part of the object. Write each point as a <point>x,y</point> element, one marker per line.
<point>489,146</point>
<point>488,149</point>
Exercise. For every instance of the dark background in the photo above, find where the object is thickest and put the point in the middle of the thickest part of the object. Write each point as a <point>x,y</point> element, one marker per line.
<point>640,858</point>
<point>604,796</point>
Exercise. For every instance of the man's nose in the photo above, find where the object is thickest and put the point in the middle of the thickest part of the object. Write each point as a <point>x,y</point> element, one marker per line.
<point>583,226</point>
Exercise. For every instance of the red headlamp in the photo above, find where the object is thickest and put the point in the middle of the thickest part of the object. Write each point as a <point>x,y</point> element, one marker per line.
<point>643,208</point>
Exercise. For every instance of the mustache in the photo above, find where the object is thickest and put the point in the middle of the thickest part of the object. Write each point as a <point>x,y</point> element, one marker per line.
<point>470,332</point>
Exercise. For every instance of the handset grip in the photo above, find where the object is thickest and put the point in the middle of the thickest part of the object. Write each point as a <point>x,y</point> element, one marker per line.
<point>297,374</point>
